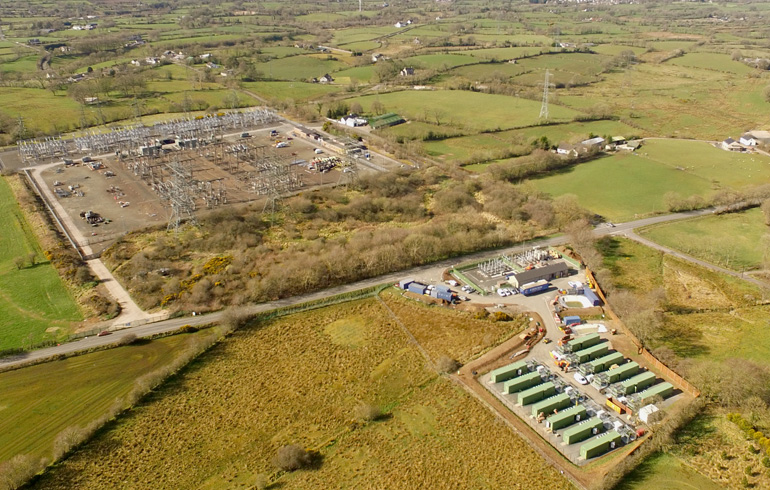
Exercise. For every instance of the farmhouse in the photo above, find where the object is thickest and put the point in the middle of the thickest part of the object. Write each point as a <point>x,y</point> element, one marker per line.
<point>632,145</point>
<point>747,140</point>
<point>377,57</point>
<point>567,149</point>
<point>407,72</point>
<point>731,145</point>
<point>762,137</point>
<point>353,121</point>
<point>326,79</point>
<point>547,272</point>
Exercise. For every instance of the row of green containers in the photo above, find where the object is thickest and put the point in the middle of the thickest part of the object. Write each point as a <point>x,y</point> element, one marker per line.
<point>582,342</point>
<point>636,383</point>
<point>622,372</point>
<point>663,390</point>
<point>536,393</point>
<point>602,364</point>
<point>566,417</point>
<point>592,352</point>
<point>600,445</point>
<point>583,431</point>
<point>508,372</point>
<point>548,405</point>
<point>528,380</point>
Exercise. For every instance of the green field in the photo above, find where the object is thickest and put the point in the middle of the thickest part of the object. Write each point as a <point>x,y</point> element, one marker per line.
<point>501,54</point>
<point>33,299</point>
<point>440,61</point>
<point>625,185</point>
<point>299,68</point>
<point>712,61</point>
<point>731,240</point>
<point>297,91</point>
<point>40,401</point>
<point>469,110</point>
<point>664,471</point>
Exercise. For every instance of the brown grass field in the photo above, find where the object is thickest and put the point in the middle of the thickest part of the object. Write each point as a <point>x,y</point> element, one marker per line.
<point>296,381</point>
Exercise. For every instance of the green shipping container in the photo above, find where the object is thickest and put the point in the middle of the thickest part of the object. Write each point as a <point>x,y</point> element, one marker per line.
<point>515,385</point>
<point>566,417</point>
<point>592,352</point>
<point>536,393</point>
<point>583,431</point>
<point>663,390</point>
<point>622,372</point>
<point>548,405</point>
<point>507,372</point>
<point>600,445</point>
<point>584,342</point>
<point>637,383</point>
<point>604,362</point>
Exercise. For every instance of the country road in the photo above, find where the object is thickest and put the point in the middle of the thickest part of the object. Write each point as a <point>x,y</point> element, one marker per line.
<point>433,269</point>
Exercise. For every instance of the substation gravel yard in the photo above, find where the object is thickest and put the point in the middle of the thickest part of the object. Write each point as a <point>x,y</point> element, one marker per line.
<point>120,190</point>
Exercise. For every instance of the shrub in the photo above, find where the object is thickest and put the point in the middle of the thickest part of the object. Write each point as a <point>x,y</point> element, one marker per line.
<point>291,457</point>
<point>261,481</point>
<point>446,364</point>
<point>367,413</point>
<point>187,329</point>
<point>501,316</point>
<point>481,315</point>
<point>128,339</point>
<point>235,318</point>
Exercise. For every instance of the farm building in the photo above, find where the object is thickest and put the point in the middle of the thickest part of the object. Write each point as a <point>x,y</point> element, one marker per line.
<point>567,149</point>
<point>582,342</point>
<point>593,352</point>
<point>385,120</point>
<point>601,364</point>
<point>748,140</point>
<point>731,145</point>
<point>523,382</point>
<point>592,297</point>
<point>566,417</point>
<point>553,270</point>
<point>632,145</point>
<point>536,393</point>
<point>583,431</point>
<point>597,142</point>
<point>548,405</point>
<point>635,384</point>
<point>507,372</point>
<point>407,71</point>
<point>602,444</point>
<point>761,137</point>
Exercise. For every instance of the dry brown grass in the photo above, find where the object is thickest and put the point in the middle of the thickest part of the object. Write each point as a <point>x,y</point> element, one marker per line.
<point>443,331</point>
<point>295,381</point>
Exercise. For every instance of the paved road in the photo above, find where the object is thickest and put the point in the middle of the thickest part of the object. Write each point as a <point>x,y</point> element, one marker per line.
<point>430,270</point>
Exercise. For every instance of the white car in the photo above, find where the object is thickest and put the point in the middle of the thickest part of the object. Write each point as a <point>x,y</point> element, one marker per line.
<point>580,379</point>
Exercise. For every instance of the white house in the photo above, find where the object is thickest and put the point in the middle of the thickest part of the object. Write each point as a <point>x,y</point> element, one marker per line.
<point>353,121</point>
<point>748,140</point>
<point>377,57</point>
<point>731,145</point>
<point>407,71</point>
<point>326,79</point>
<point>399,24</point>
<point>566,149</point>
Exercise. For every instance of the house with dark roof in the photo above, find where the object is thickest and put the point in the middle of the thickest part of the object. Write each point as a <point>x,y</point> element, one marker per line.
<point>731,145</point>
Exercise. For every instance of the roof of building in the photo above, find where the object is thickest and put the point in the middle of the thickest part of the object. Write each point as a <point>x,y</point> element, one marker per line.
<point>389,119</point>
<point>531,275</point>
<point>729,141</point>
<point>594,141</point>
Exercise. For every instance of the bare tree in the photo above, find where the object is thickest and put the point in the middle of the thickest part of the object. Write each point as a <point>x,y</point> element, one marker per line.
<point>32,257</point>
<point>18,262</point>
<point>446,364</point>
<point>291,457</point>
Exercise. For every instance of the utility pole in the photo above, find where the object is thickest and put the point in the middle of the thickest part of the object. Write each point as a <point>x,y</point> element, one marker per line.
<point>544,106</point>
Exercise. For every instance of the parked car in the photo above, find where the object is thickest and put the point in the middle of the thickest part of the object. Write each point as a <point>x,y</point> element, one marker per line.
<point>103,333</point>
<point>580,378</point>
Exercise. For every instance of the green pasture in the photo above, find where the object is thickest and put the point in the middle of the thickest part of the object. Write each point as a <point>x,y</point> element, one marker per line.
<point>420,130</point>
<point>440,61</point>
<point>40,108</point>
<point>281,51</point>
<point>490,71</point>
<point>361,74</point>
<point>33,298</point>
<point>25,64</point>
<point>730,240</point>
<point>714,165</point>
<point>666,471</point>
<point>477,145</point>
<point>361,46</point>
<point>40,401</point>
<point>503,53</point>
<point>616,49</point>
<point>467,110</point>
<point>299,68</point>
<point>586,64</point>
<point>712,61</point>
<point>297,91</point>
<point>623,186</point>
<point>356,34</point>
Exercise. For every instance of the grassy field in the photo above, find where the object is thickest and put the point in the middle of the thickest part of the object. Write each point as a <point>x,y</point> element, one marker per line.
<point>666,471</point>
<point>634,184</point>
<point>440,61</point>
<point>33,299</point>
<point>298,380</point>
<point>296,91</point>
<point>470,110</point>
<point>731,240</point>
<point>713,61</point>
<point>299,68</point>
<point>40,401</point>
